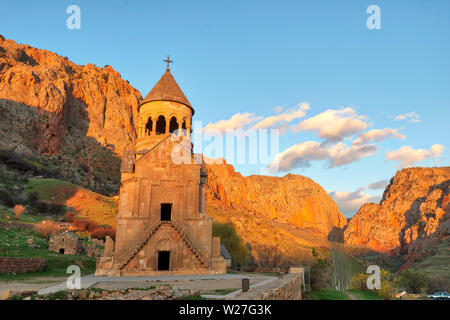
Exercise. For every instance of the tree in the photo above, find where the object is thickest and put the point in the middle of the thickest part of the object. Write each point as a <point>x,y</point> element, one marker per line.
<point>413,280</point>
<point>320,271</point>
<point>18,210</point>
<point>269,256</point>
<point>235,245</point>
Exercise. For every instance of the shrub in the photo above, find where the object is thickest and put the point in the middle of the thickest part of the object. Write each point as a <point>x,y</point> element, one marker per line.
<point>32,198</point>
<point>437,283</point>
<point>70,216</point>
<point>18,210</point>
<point>269,256</point>
<point>84,225</point>
<point>359,281</point>
<point>388,284</point>
<point>235,245</point>
<point>6,199</point>
<point>47,228</point>
<point>413,280</point>
<point>55,209</point>
<point>48,208</point>
<point>101,233</point>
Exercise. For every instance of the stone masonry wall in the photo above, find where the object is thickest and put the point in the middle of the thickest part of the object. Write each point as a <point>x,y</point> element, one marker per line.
<point>21,265</point>
<point>288,287</point>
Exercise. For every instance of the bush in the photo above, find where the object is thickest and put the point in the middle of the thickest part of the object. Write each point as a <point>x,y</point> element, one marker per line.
<point>413,281</point>
<point>85,225</point>
<point>70,216</point>
<point>359,281</point>
<point>47,228</point>
<point>18,210</point>
<point>48,208</point>
<point>101,233</point>
<point>235,245</point>
<point>388,284</point>
<point>6,199</point>
<point>437,283</point>
<point>32,198</point>
<point>269,256</point>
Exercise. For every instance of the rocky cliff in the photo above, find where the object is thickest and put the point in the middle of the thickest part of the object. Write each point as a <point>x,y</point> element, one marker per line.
<point>292,199</point>
<point>51,106</point>
<point>413,215</point>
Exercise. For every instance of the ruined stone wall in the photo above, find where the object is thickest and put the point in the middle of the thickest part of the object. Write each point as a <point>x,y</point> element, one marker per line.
<point>13,225</point>
<point>21,265</point>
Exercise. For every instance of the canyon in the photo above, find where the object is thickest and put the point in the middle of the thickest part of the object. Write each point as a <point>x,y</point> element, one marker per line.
<point>77,120</point>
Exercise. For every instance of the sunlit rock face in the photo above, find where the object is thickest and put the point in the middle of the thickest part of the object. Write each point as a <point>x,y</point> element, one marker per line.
<point>292,199</point>
<point>411,217</point>
<point>51,106</point>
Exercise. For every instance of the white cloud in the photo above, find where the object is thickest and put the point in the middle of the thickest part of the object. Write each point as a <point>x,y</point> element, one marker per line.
<point>301,155</point>
<point>378,135</point>
<point>236,122</point>
<point>334,125</point>
<point>286,116</point>
<point>407,156</point>
<point>411,116</point>
<point>349,202</point>
<point>278,109</point>
<point>378,185</point>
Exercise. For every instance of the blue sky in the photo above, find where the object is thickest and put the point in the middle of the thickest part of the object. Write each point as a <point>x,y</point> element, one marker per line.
<point>249,57</point>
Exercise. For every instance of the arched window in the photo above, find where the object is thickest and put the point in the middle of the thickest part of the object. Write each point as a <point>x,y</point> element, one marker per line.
<point>183,126</point>
<point>161,125</point>
<point>173,125</point>
<point>149,126</point>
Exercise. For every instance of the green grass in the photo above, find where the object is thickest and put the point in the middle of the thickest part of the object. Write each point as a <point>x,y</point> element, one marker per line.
<point>25,218</point>
<point>191,297</point>
<point>143,289</point>
<point>46,188</point>
<point>328,294</point>
<point>437,262</point>
<point>365,295</point>
<point>13,244</point>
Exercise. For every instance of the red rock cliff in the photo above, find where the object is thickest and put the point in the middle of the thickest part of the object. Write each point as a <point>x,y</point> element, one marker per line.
<point>49,105</point>
<point>413,214</point>
<point>291,199</point>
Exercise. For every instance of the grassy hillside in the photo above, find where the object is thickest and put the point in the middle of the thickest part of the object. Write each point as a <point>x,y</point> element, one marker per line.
<point>85,203</point>
<point>437,263</point>
<point>13,243</point>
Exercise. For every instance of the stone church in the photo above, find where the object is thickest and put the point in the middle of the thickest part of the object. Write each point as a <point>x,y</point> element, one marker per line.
<point>162,226</point>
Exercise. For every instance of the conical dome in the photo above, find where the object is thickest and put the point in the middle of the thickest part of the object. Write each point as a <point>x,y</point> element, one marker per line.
<point>167,89</point>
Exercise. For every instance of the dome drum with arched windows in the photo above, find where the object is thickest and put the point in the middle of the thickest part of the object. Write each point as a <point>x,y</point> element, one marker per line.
<point>165,110</point>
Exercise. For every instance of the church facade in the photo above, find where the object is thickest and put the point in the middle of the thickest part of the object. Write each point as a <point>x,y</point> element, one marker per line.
<point>162,225</point>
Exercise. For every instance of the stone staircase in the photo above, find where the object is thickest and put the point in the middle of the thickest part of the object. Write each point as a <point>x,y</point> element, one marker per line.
<point>148,233</point>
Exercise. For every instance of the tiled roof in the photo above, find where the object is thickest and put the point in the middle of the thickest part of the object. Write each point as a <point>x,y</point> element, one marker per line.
<point>167,89</point>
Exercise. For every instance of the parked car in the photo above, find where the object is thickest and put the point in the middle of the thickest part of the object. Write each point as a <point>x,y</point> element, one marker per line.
<point>439,296</point>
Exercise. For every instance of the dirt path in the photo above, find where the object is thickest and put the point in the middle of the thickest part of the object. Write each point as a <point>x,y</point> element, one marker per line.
<point>351,295</point>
